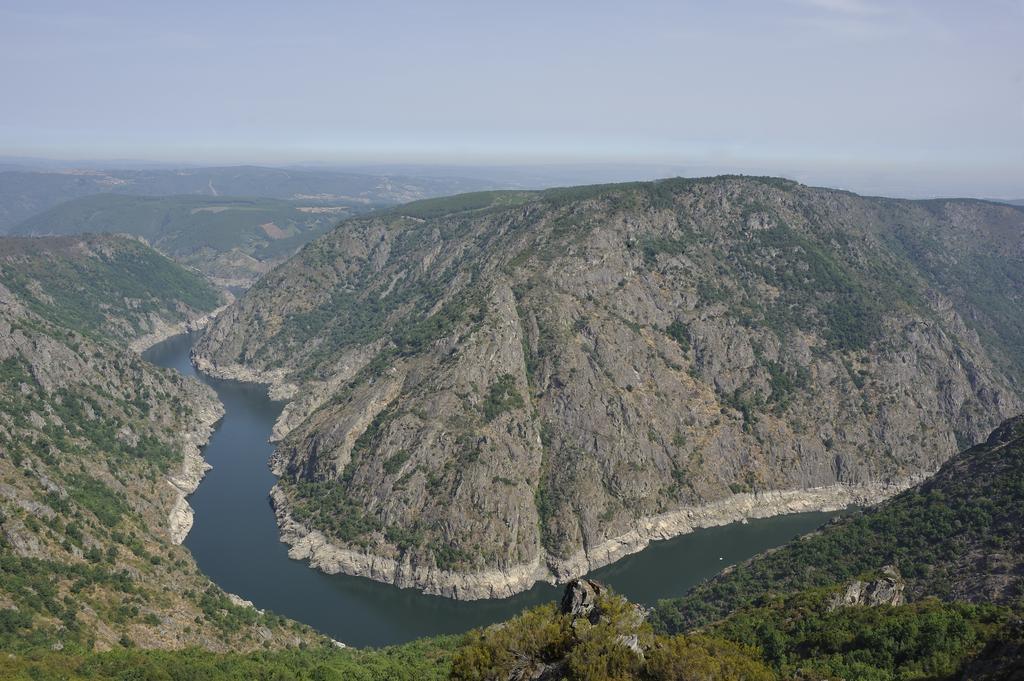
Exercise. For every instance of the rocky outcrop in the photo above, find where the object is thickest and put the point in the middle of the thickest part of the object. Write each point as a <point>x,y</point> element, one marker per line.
<point>537,387</point>
<point>887,589</point>
<point>580,599</point>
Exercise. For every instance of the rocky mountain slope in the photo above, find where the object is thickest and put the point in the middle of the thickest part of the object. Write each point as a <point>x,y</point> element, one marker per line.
<point>105,287</point>
<point>98,450</point>
<point>497,388</point>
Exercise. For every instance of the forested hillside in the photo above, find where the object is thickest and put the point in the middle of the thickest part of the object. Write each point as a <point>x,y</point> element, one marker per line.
<point>104,287</point>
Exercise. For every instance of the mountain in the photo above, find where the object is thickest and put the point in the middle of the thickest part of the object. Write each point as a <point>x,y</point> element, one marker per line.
<point>98,450</point>
<point>105,287</point>
<point>231,240</point>
<point>497,388</point>
<point>27,193</point>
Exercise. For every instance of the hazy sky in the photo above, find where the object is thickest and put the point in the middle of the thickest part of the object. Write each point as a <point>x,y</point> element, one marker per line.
<point>863,88</point>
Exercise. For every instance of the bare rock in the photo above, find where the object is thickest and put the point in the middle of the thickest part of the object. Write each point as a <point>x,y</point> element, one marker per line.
<point>580,599</point>
<point>886,590</point>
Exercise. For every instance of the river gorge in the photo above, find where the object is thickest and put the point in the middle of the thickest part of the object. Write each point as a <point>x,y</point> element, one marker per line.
<point>235,540</point>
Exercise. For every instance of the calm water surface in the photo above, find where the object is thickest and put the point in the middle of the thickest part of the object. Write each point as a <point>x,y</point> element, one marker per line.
<point>235,542</point>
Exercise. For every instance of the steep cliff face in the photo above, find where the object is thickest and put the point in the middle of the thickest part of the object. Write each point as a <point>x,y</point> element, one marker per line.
<point>493,389</point>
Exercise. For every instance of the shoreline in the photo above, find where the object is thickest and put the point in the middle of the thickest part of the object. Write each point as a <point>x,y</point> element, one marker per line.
<point>193,468</point>
<point>163,330</point>
<point>325,555</point>
<point>328,557</point>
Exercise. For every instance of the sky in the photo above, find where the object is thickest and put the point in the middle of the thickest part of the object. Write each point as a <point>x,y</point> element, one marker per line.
<point>915,97</point>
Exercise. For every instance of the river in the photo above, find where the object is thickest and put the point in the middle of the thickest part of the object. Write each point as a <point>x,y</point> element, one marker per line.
<point>235,542</point>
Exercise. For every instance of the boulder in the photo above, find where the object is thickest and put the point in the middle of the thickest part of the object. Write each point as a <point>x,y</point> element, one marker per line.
<point>886,590</point>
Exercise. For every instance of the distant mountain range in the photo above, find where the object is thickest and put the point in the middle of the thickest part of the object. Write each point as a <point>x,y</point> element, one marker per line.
<point>231,240</point>
<point>24,193</point>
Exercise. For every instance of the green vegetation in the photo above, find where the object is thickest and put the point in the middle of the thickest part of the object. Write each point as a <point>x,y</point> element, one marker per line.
<point>818,291</point>
<point>544,636</point>
<point>785,384</point>
<point>801,637</point>
<point>502,396</point>
<point>427,660</point>
<point>102,287</point>
<point>933,534</point>
<point>92,494</point>
<point>680,334</point>
<point>34,586</point>
<point>461,203</point>
<point>329,507</point>
<point>90,420</point>
<point>394,463</point>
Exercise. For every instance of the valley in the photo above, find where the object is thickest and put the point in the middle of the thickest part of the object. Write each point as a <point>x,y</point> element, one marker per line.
<point>471,400</point>
<point>235,542</point>
<point>453,341</point>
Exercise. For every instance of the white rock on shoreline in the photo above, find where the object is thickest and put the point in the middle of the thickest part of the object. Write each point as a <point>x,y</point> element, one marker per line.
<point>323,554</point>
<point>193,468</point>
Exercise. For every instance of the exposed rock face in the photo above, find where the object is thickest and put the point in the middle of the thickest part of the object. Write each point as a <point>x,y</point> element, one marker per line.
<point>580,599</point>
<point>887,589</point>
<point>193,468</point>
<point>541,384</point>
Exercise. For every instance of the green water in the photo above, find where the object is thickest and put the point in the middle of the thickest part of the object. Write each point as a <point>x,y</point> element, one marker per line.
<point>235,542</point>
